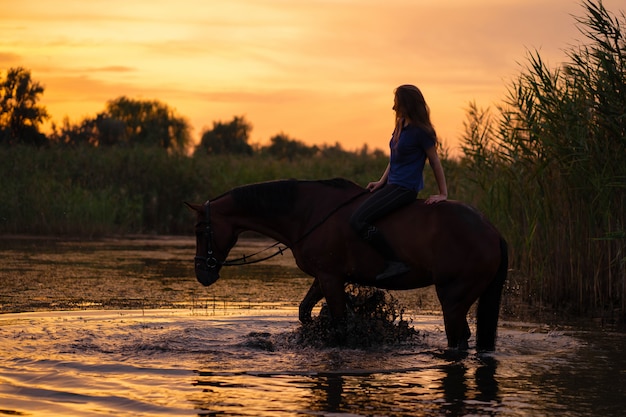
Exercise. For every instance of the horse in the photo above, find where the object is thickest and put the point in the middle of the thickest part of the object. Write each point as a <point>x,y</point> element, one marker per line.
<point>449,244</point>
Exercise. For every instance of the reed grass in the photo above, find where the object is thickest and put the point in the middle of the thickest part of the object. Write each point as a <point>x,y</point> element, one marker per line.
<point>550,164</point>
<point>88,191</point>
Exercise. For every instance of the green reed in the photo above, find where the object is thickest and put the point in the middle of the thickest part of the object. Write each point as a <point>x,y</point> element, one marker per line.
<point>95,191</point>
<point>552,172</point>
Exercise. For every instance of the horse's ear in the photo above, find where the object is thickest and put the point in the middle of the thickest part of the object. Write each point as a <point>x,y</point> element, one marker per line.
<point>194,207</point>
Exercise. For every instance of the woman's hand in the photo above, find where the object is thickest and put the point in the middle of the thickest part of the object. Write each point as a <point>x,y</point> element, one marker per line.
<point>373,186</point>
<point>436,198</point>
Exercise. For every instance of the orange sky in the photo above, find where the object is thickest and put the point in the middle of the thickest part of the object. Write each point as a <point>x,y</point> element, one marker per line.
<point>321,71</point>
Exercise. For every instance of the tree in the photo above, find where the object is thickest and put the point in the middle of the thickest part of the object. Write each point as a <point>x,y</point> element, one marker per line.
<point>231,137</point>
<point>99,131</point>
<point>146,122</point>
<point>126,121</point>
<point>284,147</point>
<point>20,116</point>
<point>335,151</point>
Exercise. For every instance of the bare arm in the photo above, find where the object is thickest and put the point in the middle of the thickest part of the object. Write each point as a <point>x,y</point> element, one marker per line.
<point>373,186</point>
<point>435,164</point>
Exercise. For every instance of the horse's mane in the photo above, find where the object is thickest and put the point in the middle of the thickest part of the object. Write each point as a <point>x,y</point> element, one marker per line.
<point>277,197</point>
<point>338,183</point>
<point>266,197</point>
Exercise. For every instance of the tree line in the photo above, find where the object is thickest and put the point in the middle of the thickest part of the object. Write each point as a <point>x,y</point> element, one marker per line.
<point>130,122</point>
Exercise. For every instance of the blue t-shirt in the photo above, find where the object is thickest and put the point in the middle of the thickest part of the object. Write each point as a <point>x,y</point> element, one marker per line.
<point>408,157</point>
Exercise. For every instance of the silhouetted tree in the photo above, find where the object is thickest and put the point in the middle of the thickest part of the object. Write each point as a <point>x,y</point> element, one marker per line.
<point>146,122</point>
<point>231,137</point>
<point>284,147</point>
<point>334,151</point>
<point>20,116</point>
<point>111,131</point>
<point>68,134</point>
<point>100,131</point>
<point>128,122</point>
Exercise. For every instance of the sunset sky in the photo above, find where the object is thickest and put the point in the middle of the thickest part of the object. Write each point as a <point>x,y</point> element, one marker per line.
<point>321,71</point>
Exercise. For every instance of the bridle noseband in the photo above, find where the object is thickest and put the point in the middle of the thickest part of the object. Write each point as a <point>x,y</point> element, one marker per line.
<point>209,260</point>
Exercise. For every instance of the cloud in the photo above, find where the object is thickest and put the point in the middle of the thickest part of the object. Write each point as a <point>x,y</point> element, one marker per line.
<point>9,59</point>
<point>111,68</point>
<point>316,69</point>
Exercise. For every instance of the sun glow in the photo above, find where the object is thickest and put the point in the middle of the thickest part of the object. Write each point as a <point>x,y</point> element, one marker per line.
<point>320,71</point>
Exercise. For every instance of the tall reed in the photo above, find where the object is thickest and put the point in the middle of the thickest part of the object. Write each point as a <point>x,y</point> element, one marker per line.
<point>87,191</point>
<point>551,167</point>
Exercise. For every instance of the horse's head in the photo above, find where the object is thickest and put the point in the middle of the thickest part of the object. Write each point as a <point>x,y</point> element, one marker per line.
<point>210,250</point>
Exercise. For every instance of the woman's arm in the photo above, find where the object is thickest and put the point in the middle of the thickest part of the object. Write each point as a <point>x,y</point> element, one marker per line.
<point>435,164</point>
<point>373,186</point>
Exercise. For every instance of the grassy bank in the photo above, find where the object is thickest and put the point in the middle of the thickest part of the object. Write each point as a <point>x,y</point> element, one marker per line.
<point>96,191</point>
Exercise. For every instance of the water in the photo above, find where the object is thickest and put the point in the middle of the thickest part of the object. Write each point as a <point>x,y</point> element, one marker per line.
<point>142,338</point>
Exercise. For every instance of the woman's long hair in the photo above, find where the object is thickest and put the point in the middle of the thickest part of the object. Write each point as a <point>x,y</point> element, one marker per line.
<point>411,105</point>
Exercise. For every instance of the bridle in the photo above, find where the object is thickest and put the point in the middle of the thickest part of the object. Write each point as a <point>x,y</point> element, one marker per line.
<point>211,262</point>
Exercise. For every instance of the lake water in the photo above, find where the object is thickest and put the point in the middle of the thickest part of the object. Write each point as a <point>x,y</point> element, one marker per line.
<point>121,327</point>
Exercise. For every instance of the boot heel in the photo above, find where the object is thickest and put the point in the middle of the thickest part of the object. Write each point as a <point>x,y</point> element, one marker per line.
<point>392,269</point>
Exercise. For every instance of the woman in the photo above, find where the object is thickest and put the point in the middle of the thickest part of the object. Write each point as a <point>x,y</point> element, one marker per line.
<point>414,140</point>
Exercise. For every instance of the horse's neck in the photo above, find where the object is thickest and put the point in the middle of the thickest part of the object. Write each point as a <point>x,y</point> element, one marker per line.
<point>308,212</point>
<point>282,231</point>
<point>282,228</point>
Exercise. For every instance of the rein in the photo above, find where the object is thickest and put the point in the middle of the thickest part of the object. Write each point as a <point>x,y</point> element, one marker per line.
<point>212,262</point>
<point>244,259</point>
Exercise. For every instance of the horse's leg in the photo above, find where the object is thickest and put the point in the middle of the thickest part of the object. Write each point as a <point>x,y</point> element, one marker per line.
<point>457,329</point>
<point>332,288</point>
<point>454,318</point>
<point>464,335</point>
<point>312,297</point>
<point>488,309</point>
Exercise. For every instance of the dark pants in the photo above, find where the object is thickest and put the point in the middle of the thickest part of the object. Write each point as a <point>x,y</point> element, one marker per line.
<point>379,204</point>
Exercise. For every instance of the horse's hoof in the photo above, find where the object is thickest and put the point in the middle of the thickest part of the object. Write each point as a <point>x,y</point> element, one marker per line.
<point>454,355</point>
<point>305,319</point>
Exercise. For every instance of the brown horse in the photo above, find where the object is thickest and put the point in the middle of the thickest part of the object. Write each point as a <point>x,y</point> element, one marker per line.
<point>448,244</point>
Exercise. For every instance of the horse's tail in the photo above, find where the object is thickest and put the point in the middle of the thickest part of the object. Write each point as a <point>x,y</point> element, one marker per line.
<point>489,305</point>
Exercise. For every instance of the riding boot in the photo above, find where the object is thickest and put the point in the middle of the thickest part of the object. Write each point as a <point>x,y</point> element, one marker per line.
<point>393,267</point>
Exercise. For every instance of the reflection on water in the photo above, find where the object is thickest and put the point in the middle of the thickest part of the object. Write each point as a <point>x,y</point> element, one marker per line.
<point>135,273</point>
<point>176,362</point>
<point>229,349</point>
<point>429,390</point>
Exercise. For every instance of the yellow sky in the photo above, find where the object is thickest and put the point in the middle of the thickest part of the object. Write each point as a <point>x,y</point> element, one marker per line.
<point>321,71</point>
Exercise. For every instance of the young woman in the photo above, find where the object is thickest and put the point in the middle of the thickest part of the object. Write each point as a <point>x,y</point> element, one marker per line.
<point>414,140</point>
